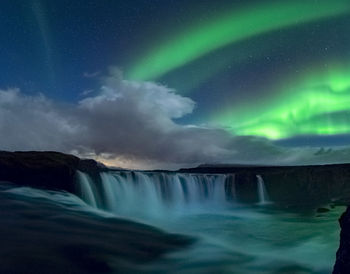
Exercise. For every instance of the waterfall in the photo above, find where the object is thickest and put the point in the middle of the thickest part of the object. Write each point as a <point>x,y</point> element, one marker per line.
<point>151,194</point>
<point>86,189</point>
<point>232,187</point>
<point>262,193</point>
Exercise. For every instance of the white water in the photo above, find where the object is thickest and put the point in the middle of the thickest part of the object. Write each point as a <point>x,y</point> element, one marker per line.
<point>86,189</point>
<point>156,194</point>
<point>262,193</point>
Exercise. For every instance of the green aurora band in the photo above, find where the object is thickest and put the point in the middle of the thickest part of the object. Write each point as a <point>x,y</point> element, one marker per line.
<point>318,105</point>
<point>234,27</point>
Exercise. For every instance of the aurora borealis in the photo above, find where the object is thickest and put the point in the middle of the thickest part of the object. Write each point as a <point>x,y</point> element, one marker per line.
<point>318,104</point>
<point>232,28</point>
<point>205,81</point>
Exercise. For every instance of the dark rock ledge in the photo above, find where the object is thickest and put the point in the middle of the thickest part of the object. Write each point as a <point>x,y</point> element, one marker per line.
<point>50,170</point>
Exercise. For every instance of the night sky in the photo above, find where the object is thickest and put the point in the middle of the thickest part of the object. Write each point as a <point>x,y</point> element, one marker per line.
<point>171,83</point>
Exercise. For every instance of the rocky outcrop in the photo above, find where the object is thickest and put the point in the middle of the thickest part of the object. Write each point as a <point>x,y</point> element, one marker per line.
<point>342,264</point>
<point>50,170</point>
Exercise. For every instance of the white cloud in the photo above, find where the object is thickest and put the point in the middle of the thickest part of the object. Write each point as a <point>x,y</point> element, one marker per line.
<point>131,124</point>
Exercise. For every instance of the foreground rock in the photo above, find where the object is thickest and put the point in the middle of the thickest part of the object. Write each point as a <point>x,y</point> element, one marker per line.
<point>342,265</point>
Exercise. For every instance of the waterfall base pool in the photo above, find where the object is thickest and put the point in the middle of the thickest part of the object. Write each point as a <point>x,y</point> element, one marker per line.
<point>256,240</point>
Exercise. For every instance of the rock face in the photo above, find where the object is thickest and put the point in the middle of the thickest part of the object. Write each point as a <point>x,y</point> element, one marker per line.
<point>50,170</point>
<point>288,185</point>
<point>342,264</point>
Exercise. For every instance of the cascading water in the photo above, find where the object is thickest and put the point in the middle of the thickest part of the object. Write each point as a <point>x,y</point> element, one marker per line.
<point>86,189</point>
<point>136,193</point>
<point>262,193</point>
<point>152,194</point>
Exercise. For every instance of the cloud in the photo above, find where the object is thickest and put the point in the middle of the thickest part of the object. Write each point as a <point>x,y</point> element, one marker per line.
<point>132,124</point>
<point>33,122</point>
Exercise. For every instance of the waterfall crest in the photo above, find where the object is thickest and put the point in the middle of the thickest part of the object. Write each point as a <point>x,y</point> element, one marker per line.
<point>86,189</point>
<point>152,194</point>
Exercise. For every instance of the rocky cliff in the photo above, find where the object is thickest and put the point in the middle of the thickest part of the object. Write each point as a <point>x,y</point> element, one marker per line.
<point>288,185</point>
<point>50,170</point>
